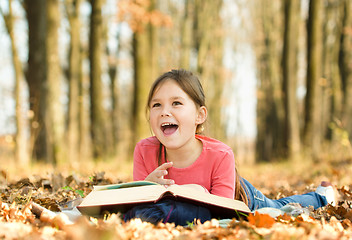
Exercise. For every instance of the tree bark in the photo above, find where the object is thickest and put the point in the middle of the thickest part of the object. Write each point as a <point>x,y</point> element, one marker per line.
<point>270,108</point>
<point>142,82</point>
<point>44,79</point>
<point>333,89</point>
<point>312,108</point>
<point>154,33</point>
<point>85,141</point>
<point>21,138</point>
<point>186,34</point>
<point>209,45</point>
<point>74,77</point>
<point>54,120</point>
<point>290,49</point>
<point>346,66</point>
<point>145,65</point>
<point>99,131</point>
<point>114,93</point>
<point>36,74</point>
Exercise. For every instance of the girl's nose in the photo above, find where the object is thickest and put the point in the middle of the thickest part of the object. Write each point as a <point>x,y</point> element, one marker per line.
<point>165,112</point>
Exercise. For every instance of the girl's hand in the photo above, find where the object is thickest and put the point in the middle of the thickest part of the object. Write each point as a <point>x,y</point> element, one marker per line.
<point>158,174</point>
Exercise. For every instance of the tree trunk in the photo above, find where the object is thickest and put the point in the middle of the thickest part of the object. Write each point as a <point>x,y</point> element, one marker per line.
<point>154,35</point>
<point>145,65</point>
<point>114,92</point>
<point>290,49</point>
<point>44,79</point>
<point>333,90</point>
<point>100,134</point>
<point>346,66</point>
<point>270,109</point>
<point>85,141</point>
<point>312,107</point>
<point>54,121</point>
<point>186,34</point>
<point>21,139</point>
<point>115,111</point>
<point>36,73</point>
<point>74,76</point>
<point>142,82</point>
<point>209,46</point>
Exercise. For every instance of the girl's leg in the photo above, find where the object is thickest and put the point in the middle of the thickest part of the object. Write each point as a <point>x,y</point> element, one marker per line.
<point>258,200</point>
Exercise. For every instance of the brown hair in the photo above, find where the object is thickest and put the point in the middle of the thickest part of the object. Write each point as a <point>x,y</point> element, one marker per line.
<point>240,189</point>
<point>191,85</point>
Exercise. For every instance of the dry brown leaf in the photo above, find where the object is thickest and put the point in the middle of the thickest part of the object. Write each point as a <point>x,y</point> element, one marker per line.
<point>328,222</point>
<point>346,223</point>
<point>345,192</point>
<point>285,218</point>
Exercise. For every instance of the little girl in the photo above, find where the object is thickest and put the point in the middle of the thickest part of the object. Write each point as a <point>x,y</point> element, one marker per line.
<point>177,154</point>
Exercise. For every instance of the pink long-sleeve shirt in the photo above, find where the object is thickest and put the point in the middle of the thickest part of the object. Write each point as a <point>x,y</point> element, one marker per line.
<point>214,169</point>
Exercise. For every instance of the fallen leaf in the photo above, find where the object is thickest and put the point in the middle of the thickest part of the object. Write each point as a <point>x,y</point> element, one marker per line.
<point>261,220</point>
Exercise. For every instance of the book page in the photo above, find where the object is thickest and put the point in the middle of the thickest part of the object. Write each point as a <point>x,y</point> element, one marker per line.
<point>149,193</point>
<point>208,198</point>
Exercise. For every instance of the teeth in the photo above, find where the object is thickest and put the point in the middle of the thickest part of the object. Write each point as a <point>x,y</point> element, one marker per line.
<point>167,124</point>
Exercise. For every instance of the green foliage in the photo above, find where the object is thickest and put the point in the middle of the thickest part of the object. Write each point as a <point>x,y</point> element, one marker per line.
<point>91,178</point>
<point>241,214</point>
<point>190,224</point>
<point>78,191</point>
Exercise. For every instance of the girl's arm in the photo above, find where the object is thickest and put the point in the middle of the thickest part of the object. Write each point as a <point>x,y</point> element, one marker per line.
<point>140,171</point>
<point>223,176</point>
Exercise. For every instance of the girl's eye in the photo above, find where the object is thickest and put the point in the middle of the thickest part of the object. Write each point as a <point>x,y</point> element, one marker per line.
<point>156,105</point>
<point>176,103</point>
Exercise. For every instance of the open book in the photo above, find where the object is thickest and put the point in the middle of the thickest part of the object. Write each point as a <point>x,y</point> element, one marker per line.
<point>122,197</point>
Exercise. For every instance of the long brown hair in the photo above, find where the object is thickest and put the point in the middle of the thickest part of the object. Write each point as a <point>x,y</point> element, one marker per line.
<point>191,85</point>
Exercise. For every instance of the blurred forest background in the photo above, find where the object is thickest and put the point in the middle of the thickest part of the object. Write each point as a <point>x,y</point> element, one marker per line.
<point>82,71</point>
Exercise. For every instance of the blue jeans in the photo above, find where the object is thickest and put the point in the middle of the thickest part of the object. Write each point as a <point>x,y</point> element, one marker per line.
<point>257,200</point>
<point>168,210</point>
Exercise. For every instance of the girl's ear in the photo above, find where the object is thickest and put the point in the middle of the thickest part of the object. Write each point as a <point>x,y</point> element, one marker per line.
<point>202,115</point>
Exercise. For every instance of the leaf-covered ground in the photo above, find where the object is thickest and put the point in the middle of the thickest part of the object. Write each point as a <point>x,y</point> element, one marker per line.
<point>51,189</point>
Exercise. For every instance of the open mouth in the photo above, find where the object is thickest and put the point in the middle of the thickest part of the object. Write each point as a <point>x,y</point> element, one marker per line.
<point>169,128</point>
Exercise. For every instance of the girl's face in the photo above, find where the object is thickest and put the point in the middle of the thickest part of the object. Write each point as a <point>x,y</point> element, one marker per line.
<point>174,116</point>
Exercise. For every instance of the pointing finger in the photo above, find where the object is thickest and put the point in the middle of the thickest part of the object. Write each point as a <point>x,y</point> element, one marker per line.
<point>165,166</point>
